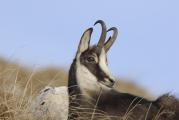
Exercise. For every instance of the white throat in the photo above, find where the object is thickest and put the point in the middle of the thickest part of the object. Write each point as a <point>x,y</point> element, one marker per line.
<point>86,80</point>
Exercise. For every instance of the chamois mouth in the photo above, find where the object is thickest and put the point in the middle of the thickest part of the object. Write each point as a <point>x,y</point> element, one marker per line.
<point>107,82</point>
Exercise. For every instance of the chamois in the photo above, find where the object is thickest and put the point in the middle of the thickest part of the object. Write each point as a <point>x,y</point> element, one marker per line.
<point>91,93</point>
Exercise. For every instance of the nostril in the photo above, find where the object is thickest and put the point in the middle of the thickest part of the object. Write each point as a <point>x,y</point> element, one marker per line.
<point>112,81</point>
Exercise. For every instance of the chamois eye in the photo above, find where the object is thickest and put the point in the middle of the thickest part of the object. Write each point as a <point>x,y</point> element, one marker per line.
<point>90,59</point>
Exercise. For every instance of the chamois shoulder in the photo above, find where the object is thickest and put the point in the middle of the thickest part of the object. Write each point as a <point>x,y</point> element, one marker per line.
<point>168,101</point>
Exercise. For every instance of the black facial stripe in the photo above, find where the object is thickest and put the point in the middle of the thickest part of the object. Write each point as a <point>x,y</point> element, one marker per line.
<point>101,74</point>
<point>95,70</point>
<point>92,68</point>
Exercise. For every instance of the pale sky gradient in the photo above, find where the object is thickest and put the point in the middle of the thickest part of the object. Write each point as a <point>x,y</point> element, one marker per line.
<point>47,32</point>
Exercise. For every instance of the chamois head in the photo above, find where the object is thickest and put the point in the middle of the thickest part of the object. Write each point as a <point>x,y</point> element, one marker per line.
<point>92,71</point>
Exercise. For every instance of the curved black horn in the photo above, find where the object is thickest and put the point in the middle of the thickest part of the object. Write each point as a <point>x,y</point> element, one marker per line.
<point>111,40</point>
<point>103,34</point>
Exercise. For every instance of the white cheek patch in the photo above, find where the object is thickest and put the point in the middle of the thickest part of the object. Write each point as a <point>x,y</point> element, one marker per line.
<point>83,45</point>
<point>103,64</point>
<point>86,80</point>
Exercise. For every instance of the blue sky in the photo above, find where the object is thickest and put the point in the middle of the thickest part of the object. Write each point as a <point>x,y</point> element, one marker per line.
<point>44,32</point>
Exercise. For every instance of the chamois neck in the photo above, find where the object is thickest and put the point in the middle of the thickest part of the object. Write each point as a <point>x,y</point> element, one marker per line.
<point>73,91</point>
<point>73,87</point>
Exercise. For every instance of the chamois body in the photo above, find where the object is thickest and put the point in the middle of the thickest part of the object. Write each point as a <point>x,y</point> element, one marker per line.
<point>113,105</point>
<point>91,96</point>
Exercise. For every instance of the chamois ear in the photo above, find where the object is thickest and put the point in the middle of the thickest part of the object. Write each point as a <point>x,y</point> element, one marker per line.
<point>85,41</point>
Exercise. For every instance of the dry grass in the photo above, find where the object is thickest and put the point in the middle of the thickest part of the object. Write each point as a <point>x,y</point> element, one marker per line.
<point>19,85</point>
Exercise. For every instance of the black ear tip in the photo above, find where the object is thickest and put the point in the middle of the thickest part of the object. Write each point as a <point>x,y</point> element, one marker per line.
<point>90,30</point>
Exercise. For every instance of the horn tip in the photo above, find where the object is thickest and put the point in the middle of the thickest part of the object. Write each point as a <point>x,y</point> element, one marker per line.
<point>98,21</point>
<point>112,28</point>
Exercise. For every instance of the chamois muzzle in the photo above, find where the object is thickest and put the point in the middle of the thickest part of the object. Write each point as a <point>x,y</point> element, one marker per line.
<point>106,79</point>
